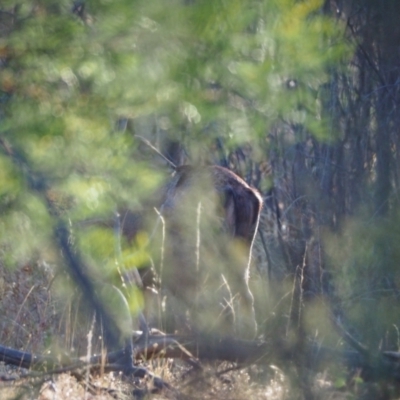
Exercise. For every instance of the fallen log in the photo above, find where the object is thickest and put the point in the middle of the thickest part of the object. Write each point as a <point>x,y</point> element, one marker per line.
<point>382,366</point>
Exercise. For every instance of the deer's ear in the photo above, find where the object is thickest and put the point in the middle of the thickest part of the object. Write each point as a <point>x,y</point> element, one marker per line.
<point>247,204</point>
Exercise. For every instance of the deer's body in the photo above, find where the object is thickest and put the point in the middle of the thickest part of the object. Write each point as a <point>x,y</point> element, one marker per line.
<point>211,217</point>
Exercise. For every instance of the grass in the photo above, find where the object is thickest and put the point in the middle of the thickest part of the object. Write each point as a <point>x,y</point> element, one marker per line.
<point>40,312</point>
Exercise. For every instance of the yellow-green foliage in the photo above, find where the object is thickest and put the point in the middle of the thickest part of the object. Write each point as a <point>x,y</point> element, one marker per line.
<point>205,68</point>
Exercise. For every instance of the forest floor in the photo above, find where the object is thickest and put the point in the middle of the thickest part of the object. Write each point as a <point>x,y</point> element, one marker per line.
<point>232,385</point>
<point>38,321</point>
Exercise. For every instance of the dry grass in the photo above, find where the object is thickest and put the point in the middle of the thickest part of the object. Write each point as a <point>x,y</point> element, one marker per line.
<point>37,321</point>
<point>211,383</point>
<point>234,385</point>
<point>27,307</point>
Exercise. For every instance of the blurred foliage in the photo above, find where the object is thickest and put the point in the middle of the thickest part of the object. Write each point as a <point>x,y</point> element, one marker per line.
<point>367,275</point>
<point>240,71</point>
<point>215,68</point>
<point>203,69</point>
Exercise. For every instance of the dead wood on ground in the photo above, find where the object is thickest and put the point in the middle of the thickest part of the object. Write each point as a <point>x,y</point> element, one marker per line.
<point>382,366</point>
